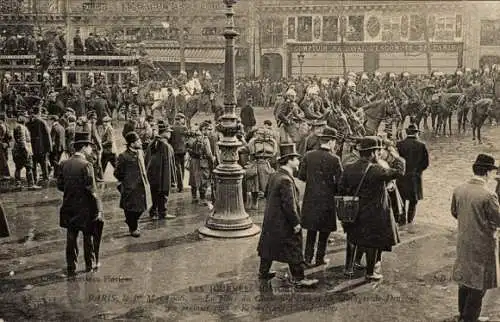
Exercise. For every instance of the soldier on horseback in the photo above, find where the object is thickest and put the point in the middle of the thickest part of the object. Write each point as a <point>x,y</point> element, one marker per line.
<point>289,116</point>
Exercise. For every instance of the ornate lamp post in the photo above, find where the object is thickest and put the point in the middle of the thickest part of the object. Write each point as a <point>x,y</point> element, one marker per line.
<point>229,218</point>
<point>300,57</point>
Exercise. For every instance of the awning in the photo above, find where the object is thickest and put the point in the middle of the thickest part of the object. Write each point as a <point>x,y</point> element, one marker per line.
<point>192,55</point>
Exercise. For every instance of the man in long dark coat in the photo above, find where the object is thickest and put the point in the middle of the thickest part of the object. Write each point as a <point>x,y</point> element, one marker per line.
<point>247,116</point>
<point>161,169</point>
<point>281,236</point>
<point>321,170</point>
<point>178,141</point>
<point>41,143</point>
<point>5,138</point>
<point>58,136</point>
<point>410,187</point>
<point>81,209</point>
<point>375,228</point>
<point>134,188</point>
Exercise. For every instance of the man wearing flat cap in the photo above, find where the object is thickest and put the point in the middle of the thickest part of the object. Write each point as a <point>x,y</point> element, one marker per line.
<point>476,209</point>
<point>416,156</point>
<point>318,210</point>
<point>375,228</point>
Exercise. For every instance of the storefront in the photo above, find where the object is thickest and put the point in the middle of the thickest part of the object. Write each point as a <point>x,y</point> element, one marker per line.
<point>361,36</point>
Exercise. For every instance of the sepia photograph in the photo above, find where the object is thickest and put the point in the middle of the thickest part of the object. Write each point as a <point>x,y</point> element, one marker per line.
<point>250,160</point>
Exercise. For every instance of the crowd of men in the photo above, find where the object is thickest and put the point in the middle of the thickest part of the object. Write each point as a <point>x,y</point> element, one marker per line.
<point>78,142</point>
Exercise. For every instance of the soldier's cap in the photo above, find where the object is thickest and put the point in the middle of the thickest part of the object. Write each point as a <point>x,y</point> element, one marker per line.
<point>70,110</point>
<point>329,133</point>
<point>180,116</point>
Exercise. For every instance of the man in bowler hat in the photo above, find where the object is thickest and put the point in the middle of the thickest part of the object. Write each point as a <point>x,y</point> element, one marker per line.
<point>416,156</point>
<point>81,209</point>
<point>318,210</point>
<point>281,236</point>
<point>476,209</point>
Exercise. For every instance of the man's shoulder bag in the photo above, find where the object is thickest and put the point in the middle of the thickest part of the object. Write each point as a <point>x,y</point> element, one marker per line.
<point>347,207</point>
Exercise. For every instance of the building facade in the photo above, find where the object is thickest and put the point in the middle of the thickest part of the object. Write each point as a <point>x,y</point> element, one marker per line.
<point>386,36</point>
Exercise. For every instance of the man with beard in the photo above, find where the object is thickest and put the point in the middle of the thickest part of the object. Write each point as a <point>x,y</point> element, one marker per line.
<point>81,209</point>
<point>281,236</point>
<point>160,169</point>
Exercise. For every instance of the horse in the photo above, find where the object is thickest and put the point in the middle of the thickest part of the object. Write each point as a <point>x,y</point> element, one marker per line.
<point>375,113</point>
<point>448,103</point>
<point>480,111</point>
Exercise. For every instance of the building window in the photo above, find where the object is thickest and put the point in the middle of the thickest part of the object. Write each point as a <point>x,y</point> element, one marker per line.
<point>490,33</point>
<point>330,28</point>
<point>304,29</point>
<point>355,28</point>
<point>209,31</point>
<point>458,29</point>
<point>417,28</point>
<point>291,28</point>
<point>391,29</point>
<point>444,28</point>
<point>272,33</point>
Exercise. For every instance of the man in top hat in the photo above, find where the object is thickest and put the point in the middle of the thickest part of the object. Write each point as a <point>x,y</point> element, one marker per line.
<point>477,210</point>
<point>5,138</point>
<point>416,155</point>
<point>281,236</point>
<point>160,170</point>
<point>247,116</point>
<point>318,210</point>
<point>41,143</point>
<point>178,140</point>
<point>22,153</point>
<point>81,209</point>
<point>58,137</point>
<point>374,229</point>
<point>108,144</point>
<point>134,187</point>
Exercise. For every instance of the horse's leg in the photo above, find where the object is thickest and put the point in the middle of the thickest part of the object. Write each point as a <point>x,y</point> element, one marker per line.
<point>459,119</point>
<point>449,122</point>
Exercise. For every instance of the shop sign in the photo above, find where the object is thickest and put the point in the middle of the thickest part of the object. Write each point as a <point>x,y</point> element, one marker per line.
<point>375,47</point>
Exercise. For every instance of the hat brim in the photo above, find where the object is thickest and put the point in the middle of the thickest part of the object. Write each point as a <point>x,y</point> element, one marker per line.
<point>83,142</point>
<point>371,148</point>
<point>289,155</point>
<point>486,165</point>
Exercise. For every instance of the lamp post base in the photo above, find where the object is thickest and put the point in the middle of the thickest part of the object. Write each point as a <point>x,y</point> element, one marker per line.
<point>252,231</point>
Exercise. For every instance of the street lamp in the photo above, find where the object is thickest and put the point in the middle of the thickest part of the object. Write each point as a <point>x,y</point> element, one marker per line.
<point>300,56</point>
<point>229,218</point>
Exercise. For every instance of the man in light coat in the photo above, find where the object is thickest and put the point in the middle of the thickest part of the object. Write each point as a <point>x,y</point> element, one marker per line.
<point>477,210</point>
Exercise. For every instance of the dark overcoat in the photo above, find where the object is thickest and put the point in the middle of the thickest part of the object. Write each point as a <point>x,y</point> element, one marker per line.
<point>375,226</point>
<point>58,136</point>
<point>278,241</point>
<point>417,160</point>
<point>80,202</point>
<point>135,193</point>
<point>321,171</point>
<point>160,164</point>
<point>477,211</point>
<point>41,141</point>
